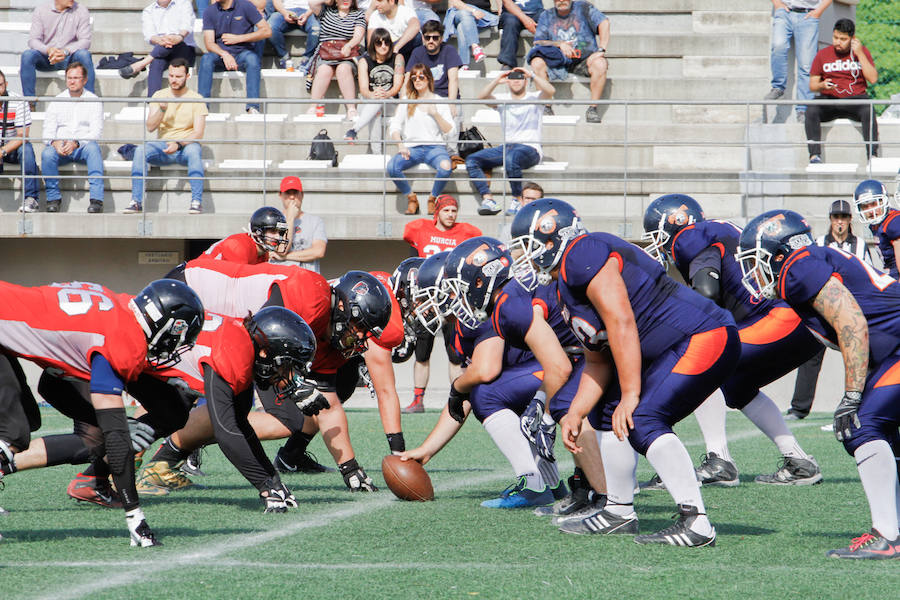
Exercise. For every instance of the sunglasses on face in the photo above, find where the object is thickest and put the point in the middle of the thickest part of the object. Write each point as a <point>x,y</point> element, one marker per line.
<point>419,77</point>
<point>382,43</point>
<point>434,36</point>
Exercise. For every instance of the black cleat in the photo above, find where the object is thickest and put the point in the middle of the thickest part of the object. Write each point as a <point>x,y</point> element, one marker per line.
<point>715,471</point>
<point>192,464</point>
<point>306,464</point>
<point>602,522</point>
<point>680,534</point>
<point>794,471</point>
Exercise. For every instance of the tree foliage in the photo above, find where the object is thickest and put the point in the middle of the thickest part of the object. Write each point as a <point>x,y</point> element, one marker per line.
<point>878,27</point>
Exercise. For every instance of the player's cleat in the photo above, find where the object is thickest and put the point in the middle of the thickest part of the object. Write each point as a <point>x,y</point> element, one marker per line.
<point>417,406</point>
<point>306,464</point>
<point>519,496</point>
<point>575,500</point>
<point>872,546</point>
<point>560,491</point>
<point>680,534</point>
<point>716,471</point>
<point>595,503</point>
<point>7,461</point>
<point>794,471</point>
<point>654,483</point>
<point>87,488</point>
<point>602,522</point>
<point>158,479</point>
<point>142,536</point>
<point>192,464</point>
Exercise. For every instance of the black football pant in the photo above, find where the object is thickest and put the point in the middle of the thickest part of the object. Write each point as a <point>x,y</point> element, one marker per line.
<point>19,414</point>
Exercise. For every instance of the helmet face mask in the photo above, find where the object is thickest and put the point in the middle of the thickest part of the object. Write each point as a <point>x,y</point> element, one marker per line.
<point>430,305</point>
<point>171,317</point>
<point>765,244</point>
<point>664,218</point>
<point>268,228</point>
<point>475,270</point>
<point>361,308</point>
<point>758,277</point>
<point>541,232</point>
<point>404,282</point>
<point>284,347</point>
<point>871,202</point>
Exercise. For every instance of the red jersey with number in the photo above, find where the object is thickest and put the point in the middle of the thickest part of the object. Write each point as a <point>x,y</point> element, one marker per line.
<point>238,248</point>
<point>225,346</point>
<point>843,69</point>
<point>61,326</point>
<point>427,239</point>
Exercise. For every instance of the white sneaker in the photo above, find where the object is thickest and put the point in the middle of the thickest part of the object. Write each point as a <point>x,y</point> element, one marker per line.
<point>29,205</point>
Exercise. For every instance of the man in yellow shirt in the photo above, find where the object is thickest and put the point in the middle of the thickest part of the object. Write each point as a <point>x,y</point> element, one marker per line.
<point>180,126</point>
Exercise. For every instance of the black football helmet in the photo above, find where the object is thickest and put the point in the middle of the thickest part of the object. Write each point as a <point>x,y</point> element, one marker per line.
<point>474,270</point>
<point>268,228</point>
<point>664,218</point>
<point>403,284</point>
<point>430,304</point>
<point>171,315</point>
<point>284,347</point>
<point>360,308</point>
<point>540,232</point>
<point>766,243</point>
<point>871,201</point>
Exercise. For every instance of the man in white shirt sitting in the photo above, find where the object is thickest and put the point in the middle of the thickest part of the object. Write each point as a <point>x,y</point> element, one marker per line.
<point>71,131</point>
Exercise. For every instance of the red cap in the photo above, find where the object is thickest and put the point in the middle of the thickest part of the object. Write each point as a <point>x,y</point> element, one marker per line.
<point>443,201</point>
<point>291,183</point>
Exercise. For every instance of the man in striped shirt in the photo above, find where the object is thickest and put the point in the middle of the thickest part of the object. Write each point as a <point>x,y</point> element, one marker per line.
<point>15,120</point>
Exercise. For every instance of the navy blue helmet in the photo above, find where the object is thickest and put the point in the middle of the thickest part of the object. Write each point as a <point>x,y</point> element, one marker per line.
<point>540,233</point>
<point>664,218</point>
<point>766,243</point>
<point>871,201</point>
<point>474,270</point>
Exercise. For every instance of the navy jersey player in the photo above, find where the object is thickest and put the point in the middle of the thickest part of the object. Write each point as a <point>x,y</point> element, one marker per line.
<point>671,348</point>
<point>872,204</point>
<point>773,340</point>
<point>859,304</point>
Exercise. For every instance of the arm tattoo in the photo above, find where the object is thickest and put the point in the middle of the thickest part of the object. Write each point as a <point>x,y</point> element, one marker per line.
<point>838,306</point>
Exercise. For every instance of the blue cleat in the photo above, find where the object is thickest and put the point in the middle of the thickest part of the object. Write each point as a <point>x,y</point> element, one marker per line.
<point>519,496</point>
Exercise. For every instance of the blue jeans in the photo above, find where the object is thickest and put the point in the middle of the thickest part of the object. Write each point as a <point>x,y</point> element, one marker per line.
<point>152,153</point>
<point>88,153</point>
<point>433,155</point>
<point>162,56</point>
<point>279,26</point>
<point>466,28</point>
<point>805,32</point>
<point>25,154</point>
<point>426,14</point>
<point>201,7</point>
<point>509,38</point>
<point>518,158</point>
<point>33,61</point>
<point>247,60</point>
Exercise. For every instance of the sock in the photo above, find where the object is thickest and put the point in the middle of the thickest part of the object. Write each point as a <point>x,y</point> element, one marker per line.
<point>418,395</point>
<point>767,417</point>
<point>170,453</point>
<point>620,462</point>
<point>878,474</point>
<point>548,470</point>
<point>711,418</point>
<point>503,427</point>
<point>579,480</point>
<point>296,445</point>
<point>349,466</point>
<point>673,464</point>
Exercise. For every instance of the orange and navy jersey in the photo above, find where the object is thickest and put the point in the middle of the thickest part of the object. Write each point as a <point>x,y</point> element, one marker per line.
<point>61,326</point>
<point>427,239</point>
<point>665,312</point>
<point>805,273</point>
<point>513,313</point>
<point>465,341</point>
<point>225,346</point>
<point>885,233</point>
<point>237,248</point>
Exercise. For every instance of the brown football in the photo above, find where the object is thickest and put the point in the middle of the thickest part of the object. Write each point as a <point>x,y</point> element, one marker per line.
<point>407,479</point>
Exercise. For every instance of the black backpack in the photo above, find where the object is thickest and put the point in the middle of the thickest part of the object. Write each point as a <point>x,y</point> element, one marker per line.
<point>323,148</point>
<point>470,141</point>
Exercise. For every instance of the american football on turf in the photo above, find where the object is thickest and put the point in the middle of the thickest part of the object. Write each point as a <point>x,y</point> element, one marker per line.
<point>407,479</point>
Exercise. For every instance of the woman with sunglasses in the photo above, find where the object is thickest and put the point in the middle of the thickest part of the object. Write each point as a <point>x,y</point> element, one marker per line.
<point>419,130</point>
<point>339,21</point>
<point>380,77</point>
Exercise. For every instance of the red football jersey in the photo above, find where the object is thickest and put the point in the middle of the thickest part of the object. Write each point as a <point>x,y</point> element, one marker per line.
<point>224,345</point>
<point>238,248</point>
<point>427,239</point>
<point>61,326</point>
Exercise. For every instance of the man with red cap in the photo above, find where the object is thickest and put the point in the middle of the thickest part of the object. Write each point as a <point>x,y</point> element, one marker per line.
<point>306,231</point>
<point>429,237</point>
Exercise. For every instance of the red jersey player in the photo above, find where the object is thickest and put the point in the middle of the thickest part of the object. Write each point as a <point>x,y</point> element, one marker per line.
<point>268,233</point>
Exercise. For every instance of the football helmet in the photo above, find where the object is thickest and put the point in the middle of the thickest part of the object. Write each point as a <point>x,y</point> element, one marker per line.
<point>871,202</point>
<point>664,218</point>
<point>360,308</point>
<point>765,244</point>
<point>540,233</point>
<point>403,284</point>
<point>171,316</point>
<point>283,349</point>
<point>474,270</point>
<point>268,228</point>
<point>430,304</point>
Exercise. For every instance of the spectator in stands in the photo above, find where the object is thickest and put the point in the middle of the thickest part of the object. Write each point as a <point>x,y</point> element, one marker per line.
<point>839,236</point>
<point>230,40</point>
<point>71,131</point>
<point>424,12</point>
<point>517,15</point>
<point>342,27</point>
<point>380,77</point>
<point>531,191</point>
<point>797,20</point>
<point>419,130</point>
<point>841,71</point>
<point>168,26</point>
<point>400,21</point>
<point>15,121</point>
<point>521,125</point>
<point>179,127</point>
<point>566,42</point>
<point>308,240</point>
<point>464,20</point>
<point>60,35</point>
<point>290,15</point>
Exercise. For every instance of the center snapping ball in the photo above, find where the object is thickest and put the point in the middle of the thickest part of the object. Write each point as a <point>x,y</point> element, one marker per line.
<point>407,479</point>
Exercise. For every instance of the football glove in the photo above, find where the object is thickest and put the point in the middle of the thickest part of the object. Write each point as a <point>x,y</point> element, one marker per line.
<point>7,461</point>
<point>142,435</point>
<point>845,417</point>
<point>455,404</point>
<point>358,481</point>
<point>277,498</point>
<point>404,351</point>
<point>538,427</point>
<point>312,404</point>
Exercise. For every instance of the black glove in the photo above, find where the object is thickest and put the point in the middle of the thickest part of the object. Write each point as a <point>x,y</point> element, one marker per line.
<point>455,404</point>
<point>311,405</point>
<point>404,351</point>
<point>845,417</point>
<point>277,498</point>
<point>358,481</point>
<point>538,427</point>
